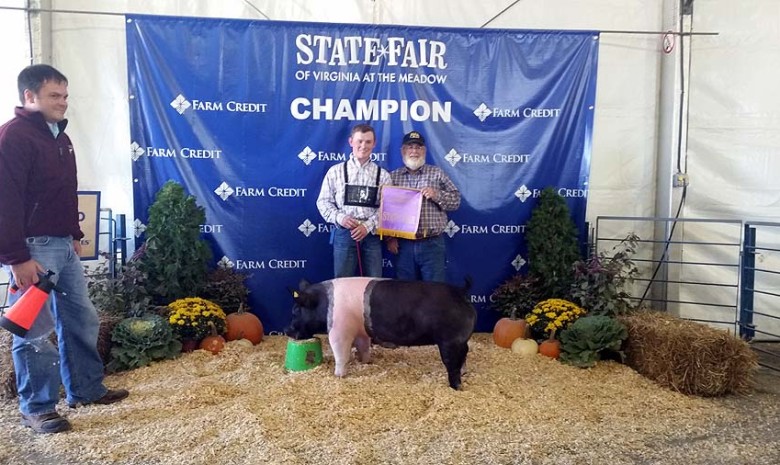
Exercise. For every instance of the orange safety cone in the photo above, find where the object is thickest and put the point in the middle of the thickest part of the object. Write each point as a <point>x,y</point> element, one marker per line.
<point>20,317</point>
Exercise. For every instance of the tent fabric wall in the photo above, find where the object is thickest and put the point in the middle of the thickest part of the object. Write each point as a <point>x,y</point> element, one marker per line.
<point>733,137</point>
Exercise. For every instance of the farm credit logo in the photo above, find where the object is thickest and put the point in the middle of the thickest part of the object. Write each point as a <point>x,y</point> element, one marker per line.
<point>451,229</point>
<point>272,264</point>
<point>136,152</point>
<point>454,157</point>
<point>309,155</point>
<point>307,228</point>
<point>181,104</point>
<point>483,112</point>
<point>225,191</point>
<point>523,193</point>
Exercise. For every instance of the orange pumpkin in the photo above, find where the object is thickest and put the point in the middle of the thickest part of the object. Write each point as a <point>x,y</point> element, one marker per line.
<point>213,343</point>
<point>507,330</point>
<point>244,325</point>
<point>551,347</point>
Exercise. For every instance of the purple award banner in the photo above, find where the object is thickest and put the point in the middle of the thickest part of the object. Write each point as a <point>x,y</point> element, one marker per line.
<point>399,212</point>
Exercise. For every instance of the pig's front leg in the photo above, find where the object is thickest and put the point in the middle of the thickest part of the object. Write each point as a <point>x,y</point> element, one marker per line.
<point>363,346</point>
<point>342,350</point>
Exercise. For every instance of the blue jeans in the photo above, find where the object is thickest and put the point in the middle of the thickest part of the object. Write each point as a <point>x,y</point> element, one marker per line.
<point>76,364</point>
<point>345,256</point>
<point>422,259</point>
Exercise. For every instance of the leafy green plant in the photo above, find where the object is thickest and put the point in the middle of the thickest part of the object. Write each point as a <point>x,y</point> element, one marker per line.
<point>600,282</point>
<point>175,256</point>
<point>225,287</point>
<point>583,342</point>
<point>122,296</point>
<point>141,340</point>
<point>551,237</point>
<point>517,295</point>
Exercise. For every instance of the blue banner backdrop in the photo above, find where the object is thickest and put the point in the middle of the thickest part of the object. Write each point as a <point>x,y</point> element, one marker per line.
<point>249,115</point>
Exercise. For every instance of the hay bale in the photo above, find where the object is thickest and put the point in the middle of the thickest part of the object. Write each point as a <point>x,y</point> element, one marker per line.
<point>7,374</point>
<point>688,357</point>
<point>107,324</point>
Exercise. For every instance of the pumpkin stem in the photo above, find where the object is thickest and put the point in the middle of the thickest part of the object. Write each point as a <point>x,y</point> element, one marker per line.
<point>213,329</point>
<point>552,334</point>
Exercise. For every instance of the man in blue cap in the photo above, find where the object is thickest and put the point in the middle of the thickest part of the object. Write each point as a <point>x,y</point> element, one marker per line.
<point>424,257</point>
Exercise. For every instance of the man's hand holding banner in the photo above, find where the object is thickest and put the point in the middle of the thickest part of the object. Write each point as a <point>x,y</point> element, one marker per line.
<point>399,212</point>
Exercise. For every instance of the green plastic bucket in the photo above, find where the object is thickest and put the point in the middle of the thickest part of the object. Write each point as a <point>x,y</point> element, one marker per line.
<point>303,355</point>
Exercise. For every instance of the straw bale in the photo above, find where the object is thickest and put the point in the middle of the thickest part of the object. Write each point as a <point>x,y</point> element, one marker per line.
<point>241,407</point>
<point>7,375</point>
<point>688,357</point>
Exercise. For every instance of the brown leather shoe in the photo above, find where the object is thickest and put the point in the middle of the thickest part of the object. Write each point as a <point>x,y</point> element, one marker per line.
<point>46,423</point>
<point>110,397</point>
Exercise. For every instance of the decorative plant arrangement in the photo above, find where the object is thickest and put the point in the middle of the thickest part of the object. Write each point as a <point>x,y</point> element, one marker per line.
<point>600,282</point>
<point>138,341</point>
<point>175,256</point>
<point>122,296</point>
<point>552,315</point>
<point>552,244</point>
<point>225,287</point>
<point>190,318</point>
<point>517,295</point>
<point>588,338</point>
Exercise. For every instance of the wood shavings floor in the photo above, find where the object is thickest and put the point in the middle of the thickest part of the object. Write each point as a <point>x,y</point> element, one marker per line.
<point>242,407</point>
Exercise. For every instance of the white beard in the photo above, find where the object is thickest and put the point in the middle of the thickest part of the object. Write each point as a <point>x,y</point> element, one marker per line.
<point>414,164</point>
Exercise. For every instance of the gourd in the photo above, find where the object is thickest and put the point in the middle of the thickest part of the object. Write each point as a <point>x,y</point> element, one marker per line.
<point>508,329</point>
<point>524,347</point>
<point>551,347</point>
<point>244,325</point>
<point>243,343</point>
<point>213,343</point>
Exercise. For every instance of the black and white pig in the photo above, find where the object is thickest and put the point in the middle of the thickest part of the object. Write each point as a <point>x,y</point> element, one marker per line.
<point>357,311</point>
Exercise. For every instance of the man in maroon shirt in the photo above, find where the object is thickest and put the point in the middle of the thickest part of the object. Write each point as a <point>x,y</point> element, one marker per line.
<point>39,231</point>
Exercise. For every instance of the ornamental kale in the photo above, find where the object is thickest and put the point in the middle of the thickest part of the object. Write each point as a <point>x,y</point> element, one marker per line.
<point>586,339</point>
<point>140,341</point>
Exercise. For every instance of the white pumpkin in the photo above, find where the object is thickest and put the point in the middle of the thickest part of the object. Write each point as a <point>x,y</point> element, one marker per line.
<point>525,346</point>
<point>241,343</point>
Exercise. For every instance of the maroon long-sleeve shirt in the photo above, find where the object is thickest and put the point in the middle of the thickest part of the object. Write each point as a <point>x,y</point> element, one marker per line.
<point>38,184</point>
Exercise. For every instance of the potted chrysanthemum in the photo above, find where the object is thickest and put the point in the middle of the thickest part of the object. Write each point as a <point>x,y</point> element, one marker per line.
<point>190,318</point>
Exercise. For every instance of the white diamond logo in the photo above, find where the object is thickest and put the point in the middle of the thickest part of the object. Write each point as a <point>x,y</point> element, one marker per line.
<point>453,157</point>
<point>139,227</point>
<point>136,151</point>
<point>180,104</point>
<point>307,227</point>
<point>224,191</point>
<point>518,262</point>
<point>307,155</point>
<point>225,263</point>
<point>523,193</point>
<point>482,112</point>
<point>451,228</point>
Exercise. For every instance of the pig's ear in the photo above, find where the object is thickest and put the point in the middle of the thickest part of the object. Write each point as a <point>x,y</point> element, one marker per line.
<point>295,294</point>
<point>303,285</point>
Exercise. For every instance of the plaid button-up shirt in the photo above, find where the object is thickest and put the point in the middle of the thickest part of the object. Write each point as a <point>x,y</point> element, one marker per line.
<point>433,217</point>
<point>330,202</point>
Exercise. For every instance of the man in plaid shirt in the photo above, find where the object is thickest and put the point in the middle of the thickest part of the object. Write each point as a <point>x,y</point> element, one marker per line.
<point>424,257</point>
